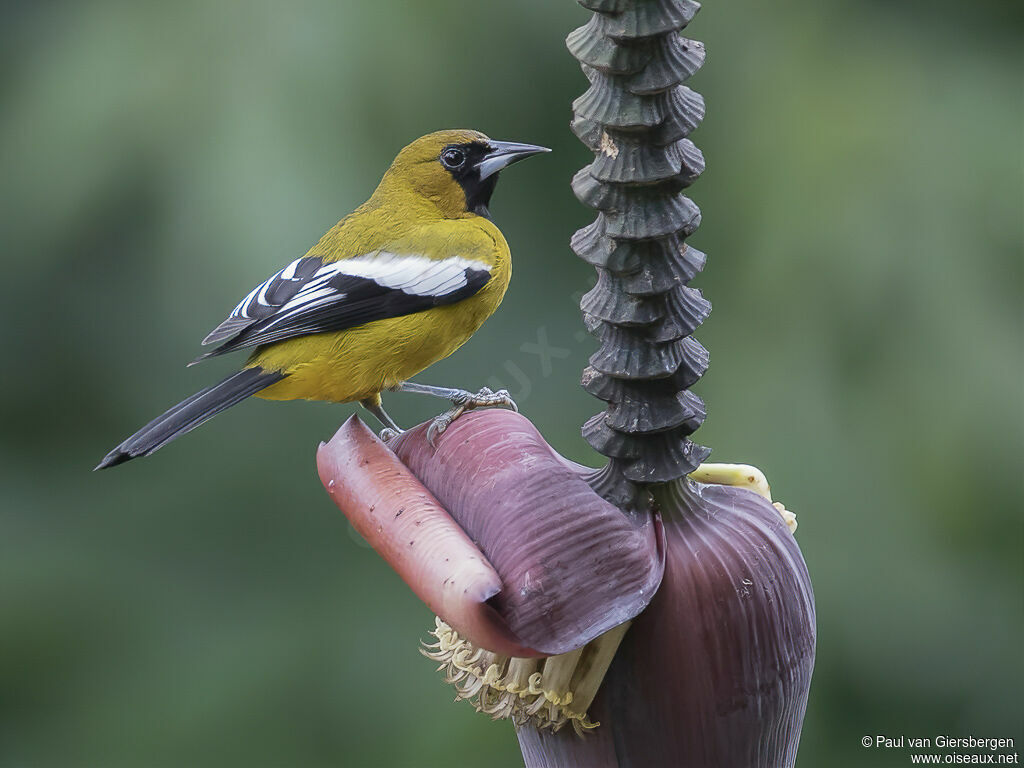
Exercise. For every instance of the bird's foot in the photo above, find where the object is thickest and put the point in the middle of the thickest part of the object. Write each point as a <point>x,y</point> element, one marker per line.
<point>485,398</point>
<point>389,434</point>
<point>467,401</point>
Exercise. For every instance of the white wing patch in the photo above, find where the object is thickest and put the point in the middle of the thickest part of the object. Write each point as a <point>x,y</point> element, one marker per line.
<point>414,275</point>
<point>309,296</point>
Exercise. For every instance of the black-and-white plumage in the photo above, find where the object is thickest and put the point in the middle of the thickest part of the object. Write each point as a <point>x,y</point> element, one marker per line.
<point>265,299</point>
<point>310,296</point>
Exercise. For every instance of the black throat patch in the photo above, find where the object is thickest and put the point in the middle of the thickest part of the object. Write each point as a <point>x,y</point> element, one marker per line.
<point>478,192</point>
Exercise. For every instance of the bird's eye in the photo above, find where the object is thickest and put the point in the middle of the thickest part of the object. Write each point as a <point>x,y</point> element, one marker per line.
<point>453,158</point>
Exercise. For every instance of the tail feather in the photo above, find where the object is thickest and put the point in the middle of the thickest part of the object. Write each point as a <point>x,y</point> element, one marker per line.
<point>190,413</point>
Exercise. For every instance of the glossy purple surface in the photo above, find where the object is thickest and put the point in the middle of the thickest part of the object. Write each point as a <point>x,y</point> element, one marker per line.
<point>716,672</point>
<point>407,526</point>
<point>572,565</point>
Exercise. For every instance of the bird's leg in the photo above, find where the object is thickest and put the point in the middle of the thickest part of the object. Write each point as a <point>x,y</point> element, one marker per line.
<point>462,401</point>
<point>374,406</point>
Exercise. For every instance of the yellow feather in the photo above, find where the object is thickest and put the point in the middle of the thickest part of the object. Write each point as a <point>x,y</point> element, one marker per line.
<point>357,363</point>
<point>418,208</point>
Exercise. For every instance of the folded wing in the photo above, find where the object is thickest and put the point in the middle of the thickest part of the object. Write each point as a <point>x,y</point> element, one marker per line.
<point>310,296</point>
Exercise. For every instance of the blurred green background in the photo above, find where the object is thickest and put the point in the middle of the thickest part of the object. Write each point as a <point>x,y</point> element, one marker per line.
<point>210,607</point>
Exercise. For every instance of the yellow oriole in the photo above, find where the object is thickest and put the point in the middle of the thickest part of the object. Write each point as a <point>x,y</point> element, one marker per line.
<point>392,288</point>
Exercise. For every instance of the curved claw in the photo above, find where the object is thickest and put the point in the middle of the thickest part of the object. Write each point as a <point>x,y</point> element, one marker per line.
<point>388,434</point>
<point>432,433</point>
<point>507,400</point>
<point>442,422</point>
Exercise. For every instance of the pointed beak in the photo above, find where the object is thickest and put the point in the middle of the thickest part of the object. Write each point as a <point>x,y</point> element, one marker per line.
<point>502,153</point>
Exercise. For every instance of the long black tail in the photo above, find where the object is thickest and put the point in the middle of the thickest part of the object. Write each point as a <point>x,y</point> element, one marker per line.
<point>190,413</point>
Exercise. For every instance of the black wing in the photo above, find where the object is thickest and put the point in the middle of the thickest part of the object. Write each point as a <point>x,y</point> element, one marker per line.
<point>309,296</point>
<point>265,299</point>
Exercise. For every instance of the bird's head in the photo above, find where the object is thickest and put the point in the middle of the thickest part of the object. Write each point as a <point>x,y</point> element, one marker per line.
<point>455,170</point>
